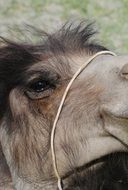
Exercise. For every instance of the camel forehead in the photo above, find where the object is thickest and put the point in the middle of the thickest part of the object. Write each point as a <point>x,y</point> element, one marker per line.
<point>101,64</point>
<point>73,62</point>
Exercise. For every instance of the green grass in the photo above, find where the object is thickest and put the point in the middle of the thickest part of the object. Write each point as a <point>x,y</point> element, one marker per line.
<point>110,15</point>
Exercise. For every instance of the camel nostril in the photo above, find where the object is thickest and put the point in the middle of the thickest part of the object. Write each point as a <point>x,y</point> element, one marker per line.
<point>124,71</point>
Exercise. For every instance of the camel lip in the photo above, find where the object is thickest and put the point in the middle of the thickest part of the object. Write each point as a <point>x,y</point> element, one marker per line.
<point>94,164</point>
<point>99,160</point>
<point>111,169</point>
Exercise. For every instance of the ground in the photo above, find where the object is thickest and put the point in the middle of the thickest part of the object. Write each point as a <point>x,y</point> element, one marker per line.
<point>110,16</point>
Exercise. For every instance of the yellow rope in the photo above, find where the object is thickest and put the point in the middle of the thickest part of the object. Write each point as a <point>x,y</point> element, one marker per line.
<point>60,109</point>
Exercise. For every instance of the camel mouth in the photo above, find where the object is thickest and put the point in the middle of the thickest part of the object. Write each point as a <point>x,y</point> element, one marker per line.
<point>92,165</point>
<point>110,169</point>
<point>97,163</point>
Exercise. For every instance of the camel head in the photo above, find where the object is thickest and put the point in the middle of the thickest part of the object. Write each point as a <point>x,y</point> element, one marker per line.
<point>91,137</point>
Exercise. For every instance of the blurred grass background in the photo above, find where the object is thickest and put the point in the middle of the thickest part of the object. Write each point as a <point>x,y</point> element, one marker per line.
<point>110,15</point>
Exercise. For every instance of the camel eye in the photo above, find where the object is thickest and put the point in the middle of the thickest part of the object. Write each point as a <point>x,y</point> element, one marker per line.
<point>40,89</point>
<point>39,86</point>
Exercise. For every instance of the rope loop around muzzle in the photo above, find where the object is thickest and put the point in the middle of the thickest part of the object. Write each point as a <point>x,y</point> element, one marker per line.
<point>60,109</point>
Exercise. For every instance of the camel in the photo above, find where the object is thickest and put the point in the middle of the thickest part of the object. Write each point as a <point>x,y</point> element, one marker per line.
<point>91,136</point>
